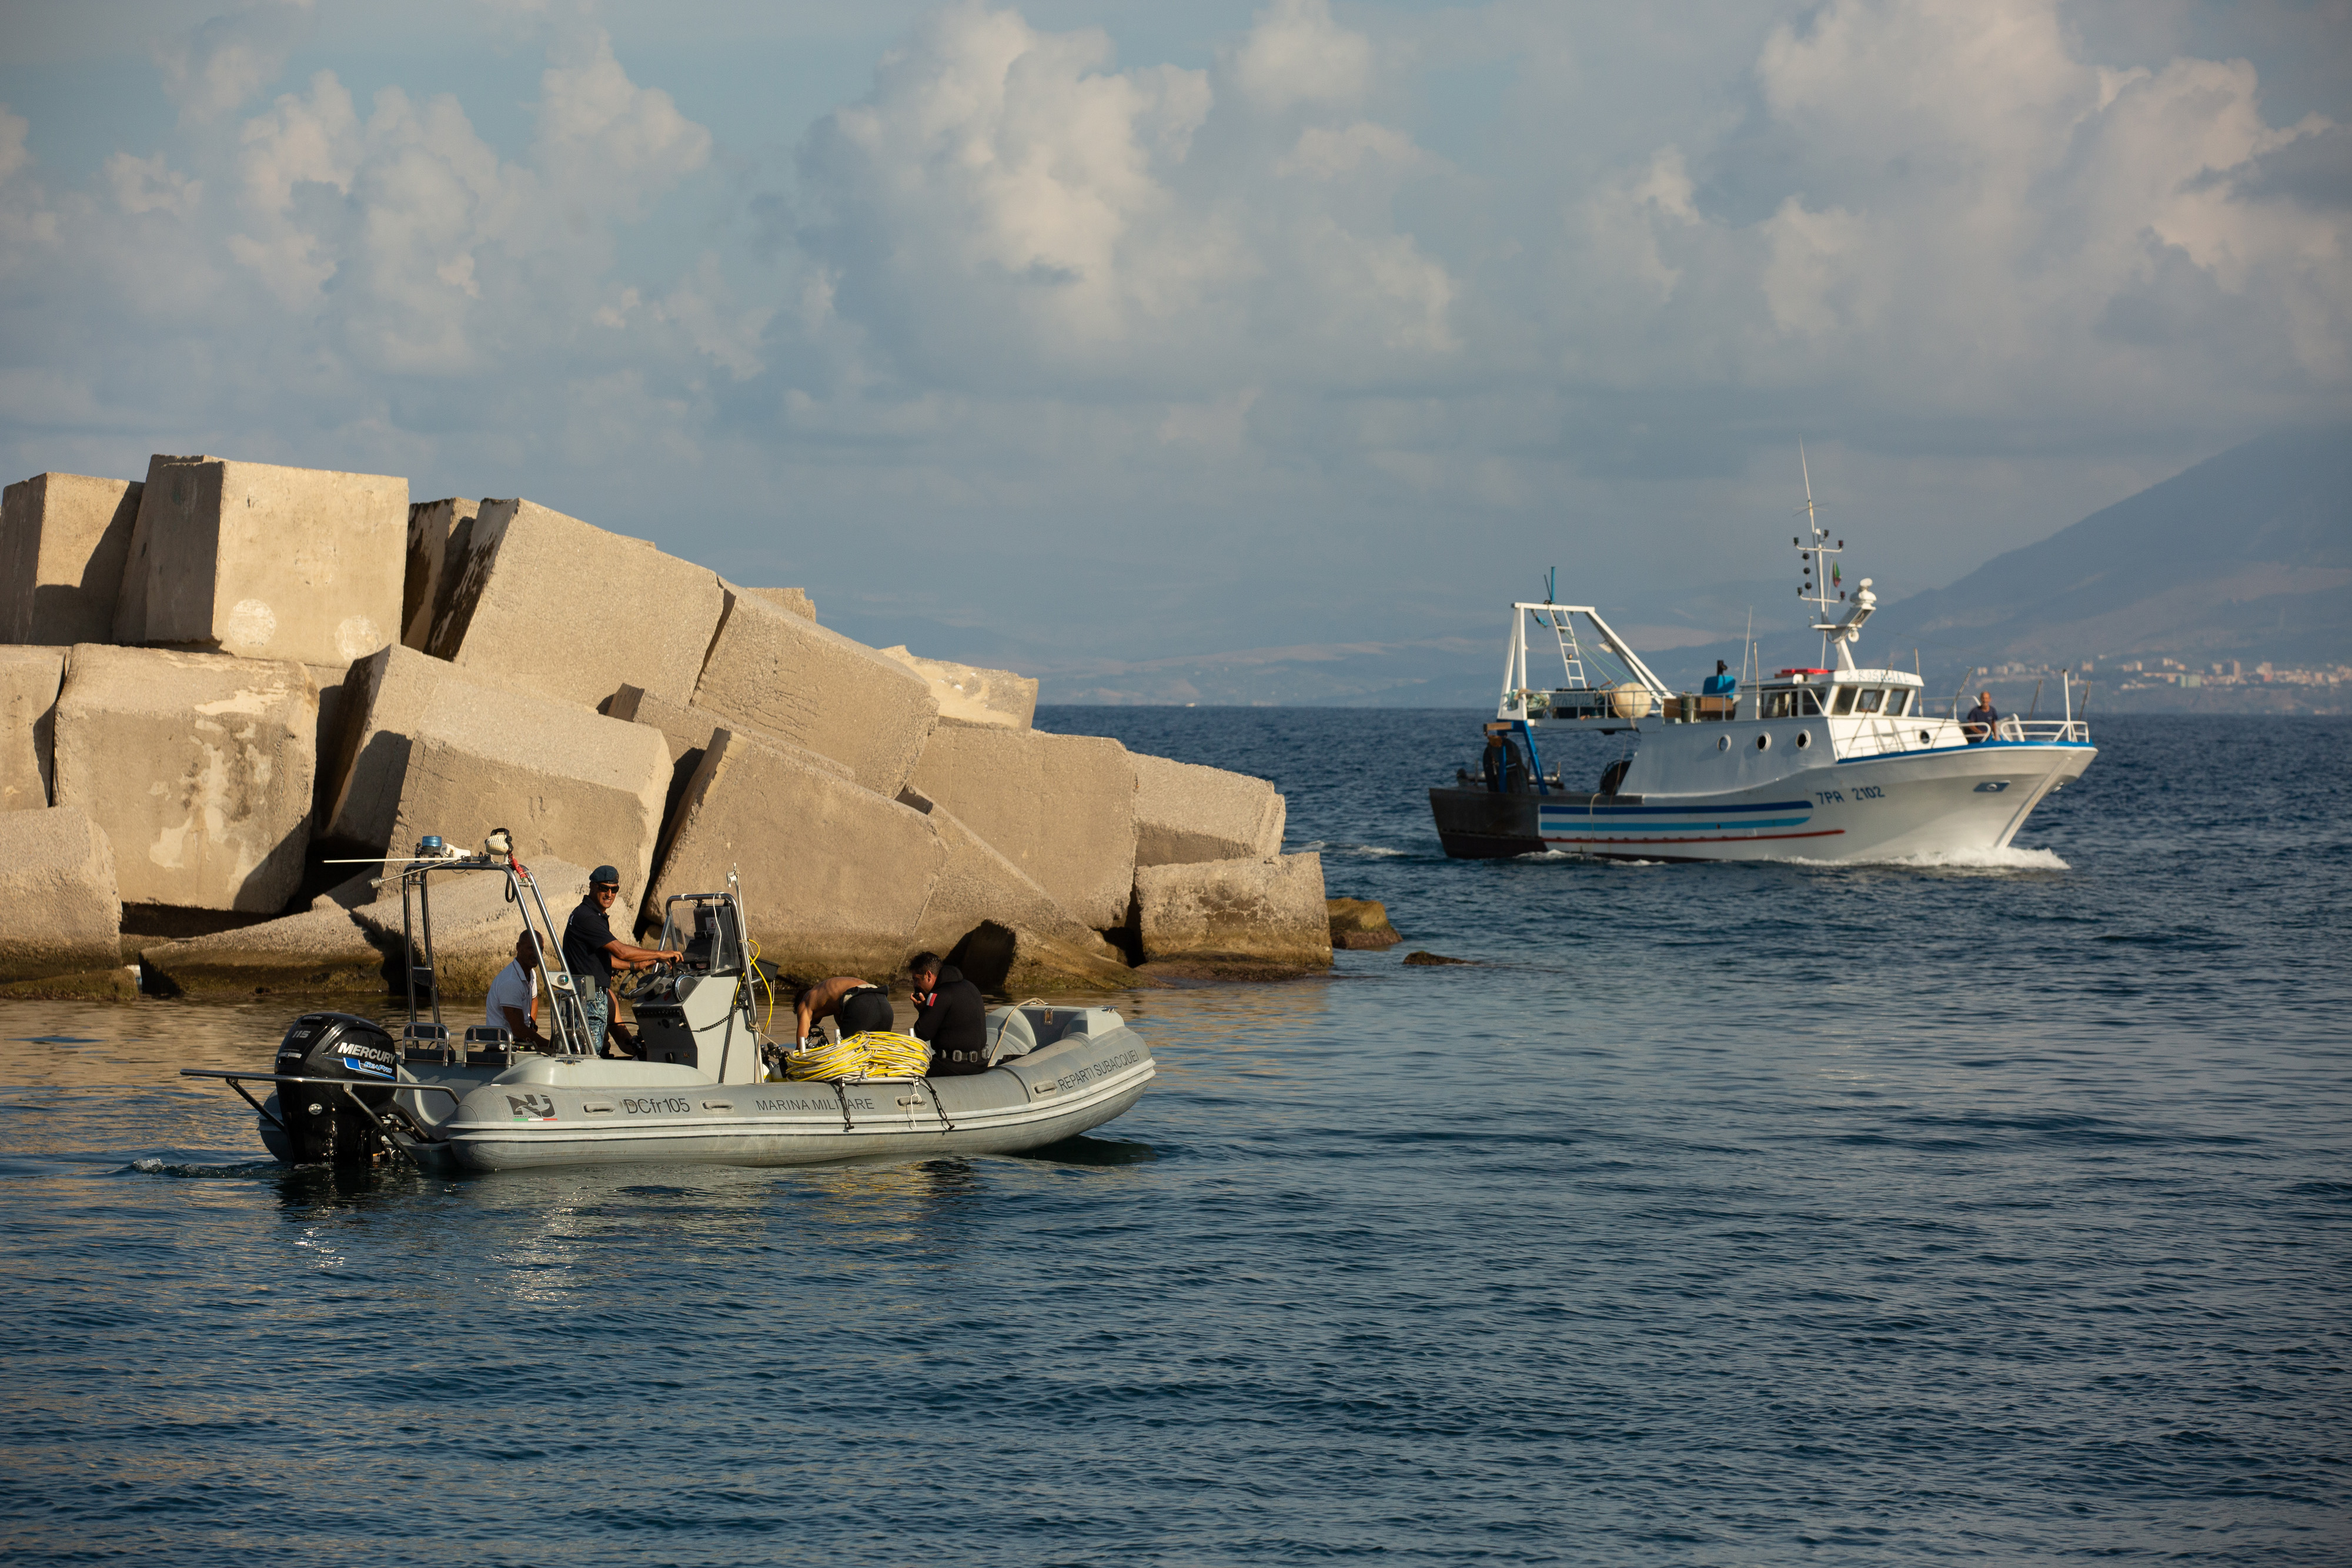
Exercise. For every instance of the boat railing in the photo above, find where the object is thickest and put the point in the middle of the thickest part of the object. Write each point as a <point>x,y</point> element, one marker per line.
<point>2040,731</point>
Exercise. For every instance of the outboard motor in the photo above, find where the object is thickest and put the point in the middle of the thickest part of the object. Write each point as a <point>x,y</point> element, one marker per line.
<point>324,1124</point>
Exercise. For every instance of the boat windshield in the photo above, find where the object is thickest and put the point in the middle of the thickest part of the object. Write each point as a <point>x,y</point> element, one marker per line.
<point>1793,703</point>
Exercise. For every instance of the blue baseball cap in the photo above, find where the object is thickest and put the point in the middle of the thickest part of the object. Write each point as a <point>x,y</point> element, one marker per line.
<point>603,876</point>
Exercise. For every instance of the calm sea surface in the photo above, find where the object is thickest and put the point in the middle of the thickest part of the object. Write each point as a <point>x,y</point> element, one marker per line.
<point>1716,1214</point>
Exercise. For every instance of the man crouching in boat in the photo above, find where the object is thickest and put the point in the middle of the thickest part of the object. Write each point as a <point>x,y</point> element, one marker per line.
<point>592,951</point>
<point>953,1021</point>
<point>858,1006</point>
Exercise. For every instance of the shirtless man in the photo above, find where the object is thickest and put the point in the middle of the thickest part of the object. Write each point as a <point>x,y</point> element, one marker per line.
<point>859,1005</point>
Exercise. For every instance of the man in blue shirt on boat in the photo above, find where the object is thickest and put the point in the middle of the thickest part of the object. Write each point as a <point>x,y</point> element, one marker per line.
<point>1979,724</point>
<point>592,953</point>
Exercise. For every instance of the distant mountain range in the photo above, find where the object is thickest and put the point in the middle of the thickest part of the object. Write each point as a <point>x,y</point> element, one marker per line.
<point>2247,556</point>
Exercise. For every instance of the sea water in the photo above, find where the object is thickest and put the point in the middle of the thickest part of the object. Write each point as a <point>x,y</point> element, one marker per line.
<point>1709,1214</point>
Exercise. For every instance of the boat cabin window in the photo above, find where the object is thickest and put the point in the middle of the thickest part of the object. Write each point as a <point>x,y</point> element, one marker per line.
<point>1898,699</point>
<point>1868,701</point>
<point>1845,704</point>
<point>1796,703</point>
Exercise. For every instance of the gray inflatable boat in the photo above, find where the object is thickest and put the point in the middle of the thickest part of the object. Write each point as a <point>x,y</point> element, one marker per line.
<point>343,1090</point>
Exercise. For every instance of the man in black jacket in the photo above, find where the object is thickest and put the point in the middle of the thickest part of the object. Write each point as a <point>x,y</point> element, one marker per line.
<point>952,1020</point>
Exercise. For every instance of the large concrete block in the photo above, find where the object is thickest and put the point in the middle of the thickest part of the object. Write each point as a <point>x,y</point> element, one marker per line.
<point>1185,813</point>
<point>431,525</point>
<point>976,883</point>
<point>324,950</point>
<point>198,767</point>
<point>835,877</point>
<point>59,908</point>
<point>968,693</point>
<point>63,539</point>
<point>265,562</point>
<point>569,784</point>
<point>1059,807</point>
<point>795,599</point>
<point>688,729</point>
<point>785,676</point>
<point>29,678</point>
<point>474,927</point>
<point>546,603</point>
<point>384,699</point>
<point>1255,911</point>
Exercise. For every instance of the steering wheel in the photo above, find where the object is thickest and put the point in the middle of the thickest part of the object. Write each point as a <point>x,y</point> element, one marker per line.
<point>639,981</point>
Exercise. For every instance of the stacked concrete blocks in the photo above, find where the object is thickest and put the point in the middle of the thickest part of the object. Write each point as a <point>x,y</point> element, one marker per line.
<point>265,562</point>
<point>544,603</point>
<point>966,694</point>
<point>433,527</point>
<point>1059,807</point>
<point>63,541</point>
<point>29,678</point>
<point>837,875</point>
<point>569,784</point>
<point>60,912</point>
<point>783,676</point>
<point>197,766</point>
<point>1185,812</point>
<point>1235,916</point>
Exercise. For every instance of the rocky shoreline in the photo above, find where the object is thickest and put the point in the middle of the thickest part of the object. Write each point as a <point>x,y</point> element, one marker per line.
<point>224,679</point>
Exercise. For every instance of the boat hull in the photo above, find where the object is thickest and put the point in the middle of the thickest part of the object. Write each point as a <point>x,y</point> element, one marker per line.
<point>1956,802</point>
<point>563,1114</point>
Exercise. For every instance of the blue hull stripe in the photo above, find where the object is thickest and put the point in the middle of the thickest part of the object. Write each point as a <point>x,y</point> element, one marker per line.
<point>1583,813</point>
<point>1567,822</point>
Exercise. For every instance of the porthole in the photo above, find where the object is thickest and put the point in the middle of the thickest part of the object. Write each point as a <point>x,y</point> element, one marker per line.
<point>1804,739</point>
<point>1924,739</point>
<point>1723,743</point>
<point>1763,743</point>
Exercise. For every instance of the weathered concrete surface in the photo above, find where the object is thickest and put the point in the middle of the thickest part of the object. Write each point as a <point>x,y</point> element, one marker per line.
<point>1251,911</point>
<point>523,607</point>
<point>265,562</point>
<point>29,678</point>
<point>384,699</point>
<point>569,784</point>
<point>835,877</point>
<point>197,766</point>
<point>63,541</point>
<point>116,985</point>
<point>1059,807</point>
<point>431,526</point>
<point>1360,924</point>
<point>976,883</point>
<point>59,906</point>
<point>968,693</point>
<point>795,599</point>
<point>688,729</point>
<point>474,927</point>
<point>785,676</point>
<point>330,680</point>
<point>1185,813</point>
<point>323,950</point>
<point>1005,961</point>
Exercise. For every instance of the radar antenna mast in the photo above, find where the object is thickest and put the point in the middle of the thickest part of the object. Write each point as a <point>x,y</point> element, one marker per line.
<point>1824,576</point>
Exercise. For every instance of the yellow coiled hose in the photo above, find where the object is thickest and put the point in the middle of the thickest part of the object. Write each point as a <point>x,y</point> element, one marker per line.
<point>876,1053</point>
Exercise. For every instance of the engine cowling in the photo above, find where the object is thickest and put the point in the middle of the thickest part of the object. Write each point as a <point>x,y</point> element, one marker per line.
<point>325,1122</point>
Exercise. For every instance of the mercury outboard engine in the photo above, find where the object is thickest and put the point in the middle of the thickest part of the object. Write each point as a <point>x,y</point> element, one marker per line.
<point>323,1123</point>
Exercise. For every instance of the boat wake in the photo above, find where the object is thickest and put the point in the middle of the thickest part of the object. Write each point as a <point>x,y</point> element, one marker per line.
<point>244,1170</point>
<point>2011,858</point>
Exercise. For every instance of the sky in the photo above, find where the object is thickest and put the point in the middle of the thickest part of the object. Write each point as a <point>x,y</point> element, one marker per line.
<point>1128,330</point>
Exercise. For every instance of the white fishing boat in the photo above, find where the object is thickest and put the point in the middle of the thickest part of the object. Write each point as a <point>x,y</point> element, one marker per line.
<point>347,1089</point>
<point>1832,762</point>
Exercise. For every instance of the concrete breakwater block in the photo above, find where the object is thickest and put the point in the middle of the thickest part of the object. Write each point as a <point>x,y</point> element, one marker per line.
<point>1360,924</point>
<point>60,910</point>
<point>29,679</point>
<point>1249,912</point>
<point>384,699</point>
<point>795,599</point>
<point>322,951</point>
<point>785,675</point>
<point>265,562</point>
<point>834,876</point>
<point>966,694</point>
<point>569,784</point>
<point>474,927</point>
<point>523,590</point>
<point>1061,808</point>
<point>1185,813</point>
<point>198,767</point>
<point>431,525</point>
<point>63,541</point>
<point>976,885</point>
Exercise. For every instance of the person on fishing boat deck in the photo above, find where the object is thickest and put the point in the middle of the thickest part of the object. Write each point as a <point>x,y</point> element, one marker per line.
<point>1979,724</point>
<point>1502,767</point>
<point>592,953</point>
<point>860,1006</point>
<point>514,995</point>
<point>953,1021</point>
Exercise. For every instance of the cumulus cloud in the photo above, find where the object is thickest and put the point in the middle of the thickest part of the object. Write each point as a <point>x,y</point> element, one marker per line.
<point>218,67</point>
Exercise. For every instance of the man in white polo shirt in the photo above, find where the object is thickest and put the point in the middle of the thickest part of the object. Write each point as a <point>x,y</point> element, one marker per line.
<point>514,996</point>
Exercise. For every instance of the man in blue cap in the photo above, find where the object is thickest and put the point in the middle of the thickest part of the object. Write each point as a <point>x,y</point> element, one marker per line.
<point>592,953</point>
